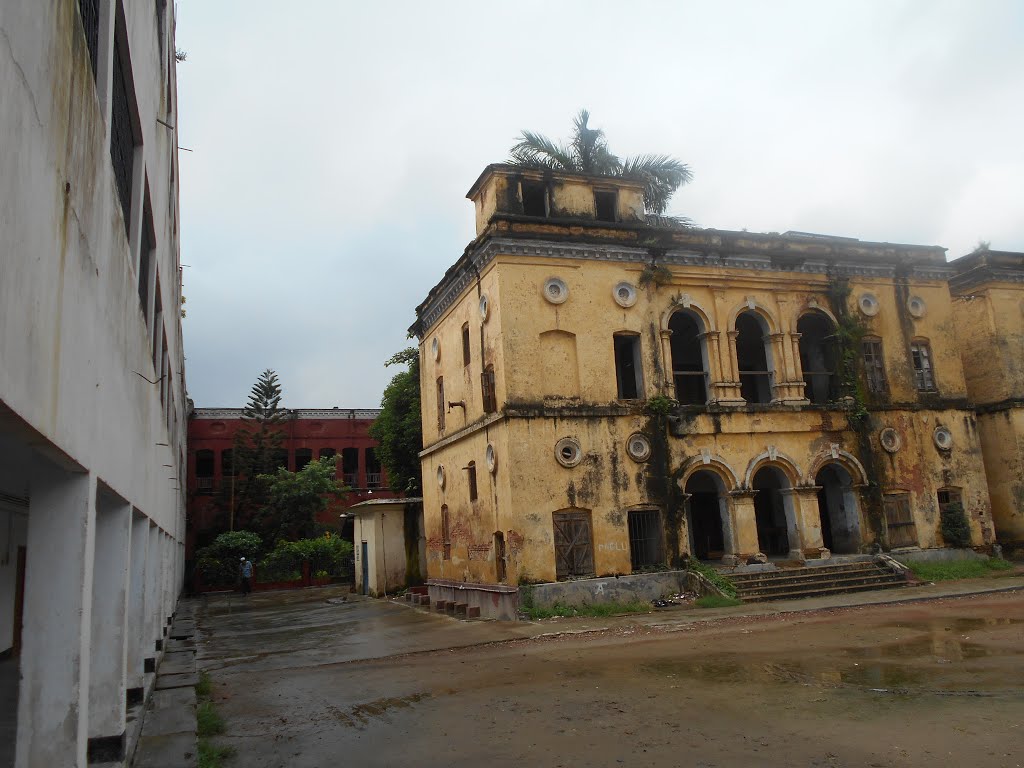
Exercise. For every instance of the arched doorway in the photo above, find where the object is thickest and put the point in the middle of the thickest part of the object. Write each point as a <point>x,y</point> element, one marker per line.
<point>840,513</point>
<point>753,358</point>
<point>706,515</point>
<point>818,357</point>
<point>689,358</point>
<point>772,511</point>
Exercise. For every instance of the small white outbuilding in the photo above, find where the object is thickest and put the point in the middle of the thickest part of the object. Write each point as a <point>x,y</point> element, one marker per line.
<point>390,545</point>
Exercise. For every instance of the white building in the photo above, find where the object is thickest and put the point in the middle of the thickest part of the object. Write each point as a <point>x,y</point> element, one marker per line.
<point>92,404</point>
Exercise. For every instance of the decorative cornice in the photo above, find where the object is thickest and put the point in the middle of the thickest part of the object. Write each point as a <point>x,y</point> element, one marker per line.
<point>366,414</point>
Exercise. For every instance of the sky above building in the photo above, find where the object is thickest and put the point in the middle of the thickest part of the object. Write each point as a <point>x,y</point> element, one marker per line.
<point>333,144</point>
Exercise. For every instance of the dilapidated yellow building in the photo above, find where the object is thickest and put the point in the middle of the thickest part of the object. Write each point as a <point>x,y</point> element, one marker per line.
<point>988,307</point>
<point>605,392</point>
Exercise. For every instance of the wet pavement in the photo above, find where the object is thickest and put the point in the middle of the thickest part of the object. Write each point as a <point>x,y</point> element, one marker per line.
<point>304,679</point>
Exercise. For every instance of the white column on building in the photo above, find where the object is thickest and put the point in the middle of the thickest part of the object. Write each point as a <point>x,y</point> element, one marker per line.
<point>53,699</point>
<point>109,639</point>
<point>137,638</point>
<point>153,608</point>
<point>167,556</point>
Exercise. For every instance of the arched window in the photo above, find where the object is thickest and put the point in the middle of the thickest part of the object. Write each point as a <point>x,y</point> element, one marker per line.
<point>628,367</point>
<point>302,457</point>
<point>921,358</point>
<point>753,358</point>
<point>465,344</point>
<point>204,470</point>
<point>818,357</point>
<point>689,358</point>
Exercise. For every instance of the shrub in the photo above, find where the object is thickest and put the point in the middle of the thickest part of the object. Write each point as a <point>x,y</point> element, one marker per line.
<point>219,561</point>
<point>717,579</point>
<point>328,556</point>
<point>955,529</point>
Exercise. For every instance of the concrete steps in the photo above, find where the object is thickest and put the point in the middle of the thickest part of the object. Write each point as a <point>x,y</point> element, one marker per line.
<point>813,581</point>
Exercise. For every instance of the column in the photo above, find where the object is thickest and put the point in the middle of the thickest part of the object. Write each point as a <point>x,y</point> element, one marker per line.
<point>743,523</point>
<point>136,624</point>
<point>153,636</point>
<point>53,700</point>
<point>107,708</point>
<point>807,519</point>
<point>667,366</point>
<point>727,388</point>
<point>167,565</point>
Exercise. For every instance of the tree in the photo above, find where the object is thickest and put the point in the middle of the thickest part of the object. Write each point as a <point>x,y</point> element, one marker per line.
<point>588,153</point>
<point>398,430</point>
<point>294,499</point>
<point>256,447</point>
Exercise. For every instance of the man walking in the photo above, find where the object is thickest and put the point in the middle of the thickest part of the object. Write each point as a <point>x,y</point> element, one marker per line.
<point>246,570</point>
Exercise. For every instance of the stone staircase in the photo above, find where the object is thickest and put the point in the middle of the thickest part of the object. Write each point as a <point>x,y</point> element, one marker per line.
<point>815,581</point>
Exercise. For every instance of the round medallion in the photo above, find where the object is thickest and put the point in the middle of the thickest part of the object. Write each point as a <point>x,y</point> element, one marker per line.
<point>440,476</point>
<point>868,304</point>
<point>435,349</point>
<point>916,306</point>
<point>568,452</point>
<point>624,294</point>
<point>638,447</point>
<point>491,459</point>
<point>555,290</point>
<point>485,307</point>
<point>890,440</point>
<point>943,438</point>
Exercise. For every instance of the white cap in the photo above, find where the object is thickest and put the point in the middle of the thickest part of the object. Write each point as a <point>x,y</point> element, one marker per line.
<point>243,559</point>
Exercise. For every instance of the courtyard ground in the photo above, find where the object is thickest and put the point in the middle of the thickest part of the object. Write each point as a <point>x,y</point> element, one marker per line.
<point>313,678</point>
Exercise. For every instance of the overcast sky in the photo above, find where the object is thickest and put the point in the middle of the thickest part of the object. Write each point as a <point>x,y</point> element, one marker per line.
<point>334,143</point>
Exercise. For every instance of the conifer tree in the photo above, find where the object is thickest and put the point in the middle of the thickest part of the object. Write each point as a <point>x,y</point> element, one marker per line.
<point>257,446</point>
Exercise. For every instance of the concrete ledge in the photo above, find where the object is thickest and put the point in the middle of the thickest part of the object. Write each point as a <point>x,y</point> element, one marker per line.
<point>635,587</point>
<point>944,555</point>
<point>491,601</point>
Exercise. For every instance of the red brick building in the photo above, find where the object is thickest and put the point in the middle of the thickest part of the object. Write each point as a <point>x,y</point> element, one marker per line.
<point>309,434</point>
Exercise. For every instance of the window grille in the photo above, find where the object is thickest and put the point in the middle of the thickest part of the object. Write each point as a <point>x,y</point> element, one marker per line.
<point>645,539</point>
<point>122,136</point>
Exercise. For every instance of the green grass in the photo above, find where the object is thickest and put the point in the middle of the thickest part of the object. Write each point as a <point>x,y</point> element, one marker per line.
<point>211,755</point>
<point>958,569</point>
<point>587,609</point>
<point>205,686</point>
<point>208,722</point>
<point>715,601</point>
<point>722,582</point>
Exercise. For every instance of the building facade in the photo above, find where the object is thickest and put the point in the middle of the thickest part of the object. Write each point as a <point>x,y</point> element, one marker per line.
<point>309,434</point>
<point>92,402</point>
<point>988,301</point>
<point>605,392</point>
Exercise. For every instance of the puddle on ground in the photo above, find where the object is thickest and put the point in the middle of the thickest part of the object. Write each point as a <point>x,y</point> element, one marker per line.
<point>361,714</point>
<point>938,658</point>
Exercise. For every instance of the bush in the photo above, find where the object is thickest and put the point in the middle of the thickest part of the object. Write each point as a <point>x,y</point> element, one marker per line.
<point>955,529</point>
<point>218,562</point>
<point>329,556</point>
<point>717,579</point>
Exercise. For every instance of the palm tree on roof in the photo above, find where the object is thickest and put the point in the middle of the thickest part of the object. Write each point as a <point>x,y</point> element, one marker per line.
<point>588,153</point>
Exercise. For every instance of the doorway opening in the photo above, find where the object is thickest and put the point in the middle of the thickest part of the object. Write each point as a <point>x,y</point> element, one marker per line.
<point>706,515</point>
<point>840,513</point>
<point>771,510</point>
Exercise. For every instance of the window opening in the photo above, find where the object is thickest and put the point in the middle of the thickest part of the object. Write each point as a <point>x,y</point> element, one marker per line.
<point>818,357</point>
<point>874,366</point>
<point>204,471</point>
<point>535,198</point>
<point>350,467</point>
<point>490,400</point>
<point>302,457</point>
<point>471,479</point>
<point>899,521</point>
<point>146,257</point>
<point>689,359</point>
<point>90,12</point>
<point>440,403</point>
<point>446,534</point>
<point>752,359</point>
<point>280,458</point>
<point>158,316</point>
<point>374,476</point>
<point>122,132</point>
<point>227,462</point>
<point>574,551</point>
<point>328,453</point>
<point>627,367</point>
<point>921,356</point>
<point>605,205</point>
<point>646,539</point>
<point>465,344</point>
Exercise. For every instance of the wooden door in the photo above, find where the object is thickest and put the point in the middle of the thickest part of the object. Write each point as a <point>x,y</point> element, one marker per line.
<point>574,550</point>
